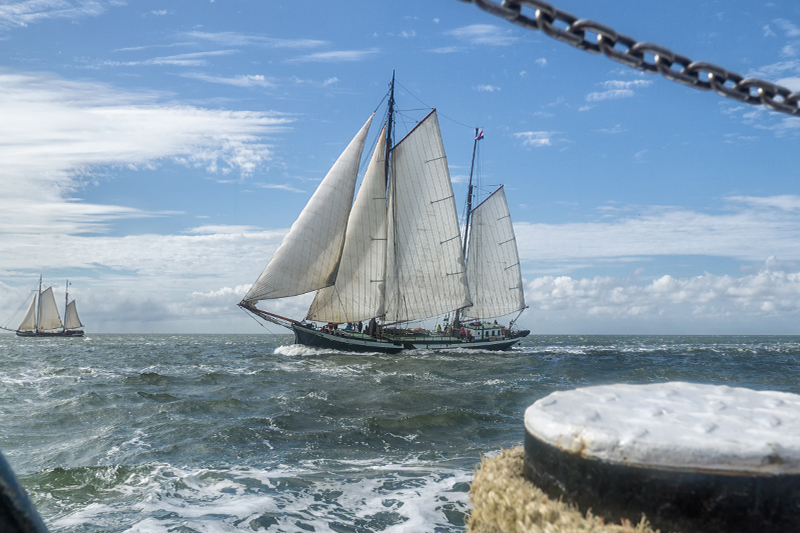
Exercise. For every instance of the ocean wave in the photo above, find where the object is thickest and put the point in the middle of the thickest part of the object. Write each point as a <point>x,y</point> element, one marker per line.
<point>162,498</point>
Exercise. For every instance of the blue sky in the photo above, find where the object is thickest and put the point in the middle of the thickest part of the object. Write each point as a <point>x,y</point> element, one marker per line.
<point>155,153</point>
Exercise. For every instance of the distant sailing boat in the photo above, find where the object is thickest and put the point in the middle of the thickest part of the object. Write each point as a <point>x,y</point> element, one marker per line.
<point>42,318</point>
<point>394,255</point>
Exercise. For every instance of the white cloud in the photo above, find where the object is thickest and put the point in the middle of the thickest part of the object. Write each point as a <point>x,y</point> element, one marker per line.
<point>791,50</point>
<point>196,59</point>
<point>31,11</point>
<point>619,84</point>
<point>152,280</point>
<point>242,39</point>
<point>542,62</point>
<point>707,301</point>
<point>280,187</point>
<point>785,202</point>
<point>751,229</point>
<point>337,56</point>
<point>617,89</point>
<point>616,128</point>
<point>793,83</point>
<point>775,69</point>
<point>487,88</point>
<point>445,50</point>
<point>609,95</point>
<point>789,29</point>
<point>56,133</point>
<point>484,34</point>
<point>220,229</point>
<point>248,80</point>
<point>536,139</point>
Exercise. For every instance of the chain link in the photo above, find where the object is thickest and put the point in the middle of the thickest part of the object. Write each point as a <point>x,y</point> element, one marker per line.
<point>630,52</point>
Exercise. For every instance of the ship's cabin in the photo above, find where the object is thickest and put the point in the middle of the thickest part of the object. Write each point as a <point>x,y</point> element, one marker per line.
<point>486,331</point>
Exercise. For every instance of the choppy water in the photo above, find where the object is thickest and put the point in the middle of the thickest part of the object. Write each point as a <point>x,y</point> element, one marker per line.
<point>182,433</point>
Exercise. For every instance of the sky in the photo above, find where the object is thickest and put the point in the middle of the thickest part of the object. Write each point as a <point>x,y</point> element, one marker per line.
<point>155,154</point>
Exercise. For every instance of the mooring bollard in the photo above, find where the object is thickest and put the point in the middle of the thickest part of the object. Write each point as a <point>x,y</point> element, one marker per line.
<point>692,458</point>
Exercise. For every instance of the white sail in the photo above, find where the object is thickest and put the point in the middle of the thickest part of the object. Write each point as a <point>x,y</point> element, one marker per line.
<point>358,292</point>
<point>425,274</point>
<point>71,319</point>
<point>48,312</point>
<point>308,257</point>
<point>493,271</point>
<point>29,322</point>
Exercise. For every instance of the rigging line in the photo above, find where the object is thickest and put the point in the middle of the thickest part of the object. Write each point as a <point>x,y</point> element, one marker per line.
<point>431,107</point>
<point>260,324</point>
<point>381,102</point>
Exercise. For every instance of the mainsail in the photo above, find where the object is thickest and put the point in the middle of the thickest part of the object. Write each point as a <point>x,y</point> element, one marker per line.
<point>358,292</point>
<point>425,274</point>
<point>71,319</point>
<point>308,257</point>
<point>48,312</point>
<point>29,322</point>
<point>493,271</point>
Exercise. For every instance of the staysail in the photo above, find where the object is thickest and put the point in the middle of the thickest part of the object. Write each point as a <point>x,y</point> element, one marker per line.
<point>71,319</point>
<point>425,274</point>
<point>48,312</point>
<point>493,271</point>
<point>308,257</point>
<point>29,322</point>
<point>358,292</point>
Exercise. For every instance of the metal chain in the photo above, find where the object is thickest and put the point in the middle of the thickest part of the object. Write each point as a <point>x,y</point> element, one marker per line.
<point>635,54</point>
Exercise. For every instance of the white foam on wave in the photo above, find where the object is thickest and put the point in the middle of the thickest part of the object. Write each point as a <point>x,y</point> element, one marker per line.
<point>368,495</point>
<point>301,350</point>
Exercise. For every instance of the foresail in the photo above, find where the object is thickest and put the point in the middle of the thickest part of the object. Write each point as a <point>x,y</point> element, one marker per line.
<point>308,257</point>
<point>29,322</point>
<point>425,274</point>
<point>48,312</point>
<point>71,319</point>
<point>358,292</point>
<point>493,271</point>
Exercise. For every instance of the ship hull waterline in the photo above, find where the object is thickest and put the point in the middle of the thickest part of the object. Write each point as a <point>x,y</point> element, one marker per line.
<point>345,342</point>
<point>67,333</point>
<point>331,341</point>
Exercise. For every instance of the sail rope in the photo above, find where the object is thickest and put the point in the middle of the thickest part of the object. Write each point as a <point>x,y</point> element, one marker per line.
<point>17,312</point>
<point>262,324</point>
<point>437,111</point>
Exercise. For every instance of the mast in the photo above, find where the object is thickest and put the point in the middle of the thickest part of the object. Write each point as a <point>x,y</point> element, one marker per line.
<point>390,122</point>
<point>39,304</point>
<point>66,303</point>
<point>390,182</point>
<point>457,318</point>
<point>469,194</point>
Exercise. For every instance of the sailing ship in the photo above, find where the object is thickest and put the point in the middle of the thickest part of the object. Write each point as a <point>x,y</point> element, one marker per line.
<point>395,255</point>
<point>42,318</point>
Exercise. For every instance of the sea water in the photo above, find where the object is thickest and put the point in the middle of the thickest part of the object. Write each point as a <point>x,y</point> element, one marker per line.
<point>223,433</point>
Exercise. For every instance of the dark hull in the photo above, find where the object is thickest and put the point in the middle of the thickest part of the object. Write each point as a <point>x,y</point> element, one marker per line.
<point>317,339</point>
<point>68,333</point>
<point>430,342</point>
<point>362,343</point>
